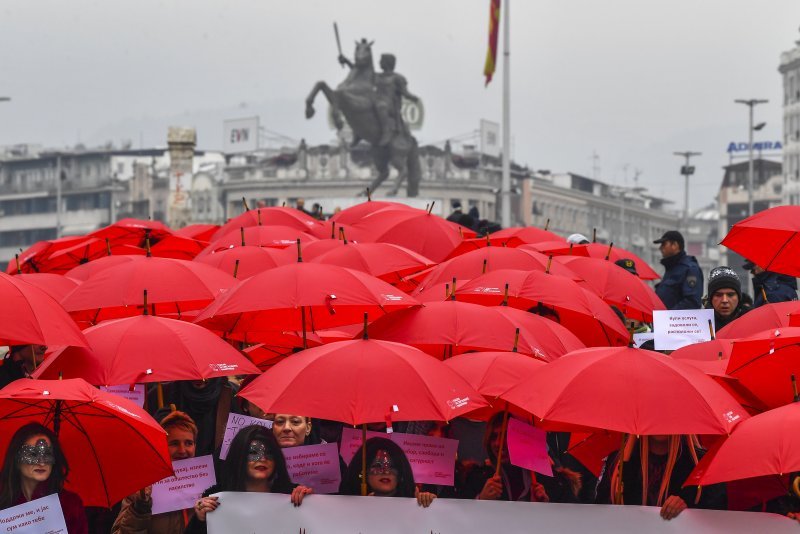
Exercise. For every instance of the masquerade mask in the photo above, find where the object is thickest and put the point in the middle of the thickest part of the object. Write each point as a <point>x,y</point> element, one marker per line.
<point>39,454</point>
<point>382,464</point>
<point>258,452</point>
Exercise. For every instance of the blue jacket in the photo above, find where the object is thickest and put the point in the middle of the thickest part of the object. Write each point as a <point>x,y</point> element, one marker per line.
<point>682,285</point>
<point>778,287</point>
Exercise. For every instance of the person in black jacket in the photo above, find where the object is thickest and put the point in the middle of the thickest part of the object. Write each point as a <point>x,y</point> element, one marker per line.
<point>20,362</point>
<point>682,285</point>
<point>771,287</point>
<point>725,296</point>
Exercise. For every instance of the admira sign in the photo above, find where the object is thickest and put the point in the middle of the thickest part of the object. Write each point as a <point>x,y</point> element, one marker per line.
<point>759,147</point>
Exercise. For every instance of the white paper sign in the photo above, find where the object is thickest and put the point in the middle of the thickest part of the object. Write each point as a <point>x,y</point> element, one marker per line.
<point>677,328</point>
<point>315,466</point>
<point>641,339</point>
<point>236,422</point>
<point>34,517</point>
<point>192,477</point>
<point>267,513</point>
<point>136,396</point>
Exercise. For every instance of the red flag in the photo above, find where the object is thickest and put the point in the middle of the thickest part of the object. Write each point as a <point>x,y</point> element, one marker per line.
<point>494,31</point>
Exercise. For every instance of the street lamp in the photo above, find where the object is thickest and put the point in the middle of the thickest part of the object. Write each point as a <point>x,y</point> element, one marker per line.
<point>5,99</point>
<point>751,103</point>
<point>686,170</point>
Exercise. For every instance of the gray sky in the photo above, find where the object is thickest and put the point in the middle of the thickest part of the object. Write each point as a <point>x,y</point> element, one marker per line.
<point>634,80</point>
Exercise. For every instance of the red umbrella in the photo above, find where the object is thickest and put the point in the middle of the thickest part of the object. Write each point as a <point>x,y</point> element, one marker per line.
<point>301,296</point>
<point>473,264</point>
<point>113,447</point>
<point>616,286</point>
<point>363,381</point>
<point>55,285</point>
<point>776,315</point>
<point>714,350</point>
<point>388,262</point>
<point>147,349</point>
<point>447,328</point>
<point>766,362</point>
<point>716,369</point>
<point>769,239</point>
<point>579,310</point>
<point>515,236</point>
<point>493,373</point>
<point>172,286</point>
<point>178,247</point>
<point>627,390</point>
<point>29,316</point>
<point>276,216</point>
<point>260,236</point>
<point>86,251</point>
<point>133,232</point>
<point>313,249</point>
<point>279,345</point>
<point>414,229</point>
<point>356,213</point>
<point>201,232</point>
<point>252,260</point>
<point>81,273</point>
<point>28,260</point>
<point>597,250</point>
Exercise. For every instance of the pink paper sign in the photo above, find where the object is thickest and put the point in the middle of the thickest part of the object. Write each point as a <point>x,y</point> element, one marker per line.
<point>351,441</point>
<point>192,477</point>
<point>527,447</point>
<point>136,396</point>
<point>315,466</point>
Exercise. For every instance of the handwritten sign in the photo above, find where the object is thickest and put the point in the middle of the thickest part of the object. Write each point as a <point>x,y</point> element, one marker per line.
<point>641,339</point>
<point>34,517</point>
<point>677,328</point>
<point>136,395</point>
<point>315,466</point>
<point>236,422</point>
<point>192,477</point>
<point>527,447</point>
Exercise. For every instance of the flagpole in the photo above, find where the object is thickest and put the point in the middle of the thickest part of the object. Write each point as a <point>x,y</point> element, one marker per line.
<point>505,194</point>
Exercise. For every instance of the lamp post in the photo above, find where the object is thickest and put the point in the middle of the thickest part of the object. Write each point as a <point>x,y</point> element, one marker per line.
<point>5,99</point>
<point>686,170</point>
<point>751,103</point>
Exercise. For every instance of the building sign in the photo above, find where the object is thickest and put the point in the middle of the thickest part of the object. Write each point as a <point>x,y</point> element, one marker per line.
<point>240,135</point>
<point>758,147</point>
<point>490,138</point>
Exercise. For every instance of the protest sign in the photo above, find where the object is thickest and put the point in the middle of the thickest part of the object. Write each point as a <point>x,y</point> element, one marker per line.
<point>339,514</point>
<point>192,477</point>
<point>677,328</point>
<point>641,339</point>
<point>351,441</point>
<point>136,395</point>
<point>527,447</point>
<point>237,422</point>
<point>34,517</point>
<point>432,459</point>
<point>315,466</point>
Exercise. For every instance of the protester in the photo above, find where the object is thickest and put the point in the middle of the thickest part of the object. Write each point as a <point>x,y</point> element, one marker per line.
<point>254,463</point>
<point>725,296</point>
<point>654,469</point>
<point>514,483</point>
<point>578,239</point>
<point>34,467</point>
<point>291,430</point>
<point>300,205</point>
<point>458,211</point>
<point>628,265</point>
<point>388,473</point>
<point>136,515</point>
<point>20,362</point>
<point>771,287</point>
<point>682,285</point>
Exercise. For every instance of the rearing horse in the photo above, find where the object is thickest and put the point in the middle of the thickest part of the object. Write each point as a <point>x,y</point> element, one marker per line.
<point>355,99</point>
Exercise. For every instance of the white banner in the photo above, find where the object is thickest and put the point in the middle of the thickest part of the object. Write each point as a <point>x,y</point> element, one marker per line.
<point>240,135</point>
<point>192,477</point>
<point>263,513</point>
<point>34,517</point>
<point>674,329</point>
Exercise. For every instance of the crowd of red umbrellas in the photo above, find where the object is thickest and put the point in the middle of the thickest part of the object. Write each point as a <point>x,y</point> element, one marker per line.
<point>386,309</point>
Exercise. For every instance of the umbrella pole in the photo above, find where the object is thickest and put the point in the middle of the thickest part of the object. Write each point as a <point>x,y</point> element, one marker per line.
<point>236,269</point>
<point>19,270</point>
<point>502,441</point>
<point>364,460</point>
<point>547,224</point>
<point>160,395</point>
<point>33,358</point>
<point>794,389</point>
<point>303,321</point>
<point>610,246</point>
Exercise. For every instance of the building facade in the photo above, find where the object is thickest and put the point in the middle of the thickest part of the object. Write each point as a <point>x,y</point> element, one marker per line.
<point>790,70</point>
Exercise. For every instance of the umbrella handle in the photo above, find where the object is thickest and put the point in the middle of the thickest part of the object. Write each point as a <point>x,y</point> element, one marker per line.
<point>364,460</point>
<point>502,441</point>
<point>160,395</point>
<point>796,486</point>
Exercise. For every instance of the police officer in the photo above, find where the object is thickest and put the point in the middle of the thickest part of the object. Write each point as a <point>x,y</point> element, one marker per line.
<point>725,296</point>
<point>682,285</point>
<point>771,287</point>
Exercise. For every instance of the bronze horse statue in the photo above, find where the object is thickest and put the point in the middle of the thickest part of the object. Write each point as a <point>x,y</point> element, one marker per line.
<point>357,99</point>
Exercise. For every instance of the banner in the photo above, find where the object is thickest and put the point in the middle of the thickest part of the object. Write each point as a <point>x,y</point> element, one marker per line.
<point>315,466</point>
<point>34,517</point>
<point>263,513</point>
<point>494,31</point>
<point>236,422</point>
<point>677,328</point>
<point>240,135</point>
<point>192,477</point>
<point>490,138</point>
<point>136,396</point>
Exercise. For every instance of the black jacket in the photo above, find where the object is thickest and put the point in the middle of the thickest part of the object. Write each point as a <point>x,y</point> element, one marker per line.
<point>682,285</point>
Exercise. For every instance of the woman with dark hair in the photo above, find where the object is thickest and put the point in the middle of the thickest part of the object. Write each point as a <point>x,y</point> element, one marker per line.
<point>34,466</point>
<point>388,473</point>
<point>254,463</point>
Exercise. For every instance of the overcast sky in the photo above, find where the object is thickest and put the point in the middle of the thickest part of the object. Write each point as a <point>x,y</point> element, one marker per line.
<point>633,80</point>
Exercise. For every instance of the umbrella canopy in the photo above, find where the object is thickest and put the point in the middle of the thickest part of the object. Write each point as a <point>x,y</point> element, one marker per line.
<point>178,247</point>
<point>363,381</point>
<point>714,350</point>
<point>201,232</point>
<point>765,362</point>
<point>81,273</point>
<point>276,216</point>
<point>29,316</point>
<point>312,250</point>
<point>29,259</point>
<point>55,285</point>
<point>616,286</point>
<point>260,236</point>
<point>447,328</point>
<point>627,390</point>
<point>386,261</point>
<point>493,373</point>
<point>770,239</point>
<point>774,315</point>
<point>356,213</point>
<point>113,447</point>
<point>86,251</point>
<point>579,310</point>
<point>279,345</point>
<point>765,444</point>
<point>597,250</point>
<point>515,236</point>
<point>252,260</point>
<point>147,349</point>
<point>301,296</point>
<point>133,232</point>
<point>172,286</point>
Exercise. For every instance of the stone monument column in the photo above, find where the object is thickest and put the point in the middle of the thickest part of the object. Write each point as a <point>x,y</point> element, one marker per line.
<point>181,143</point>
